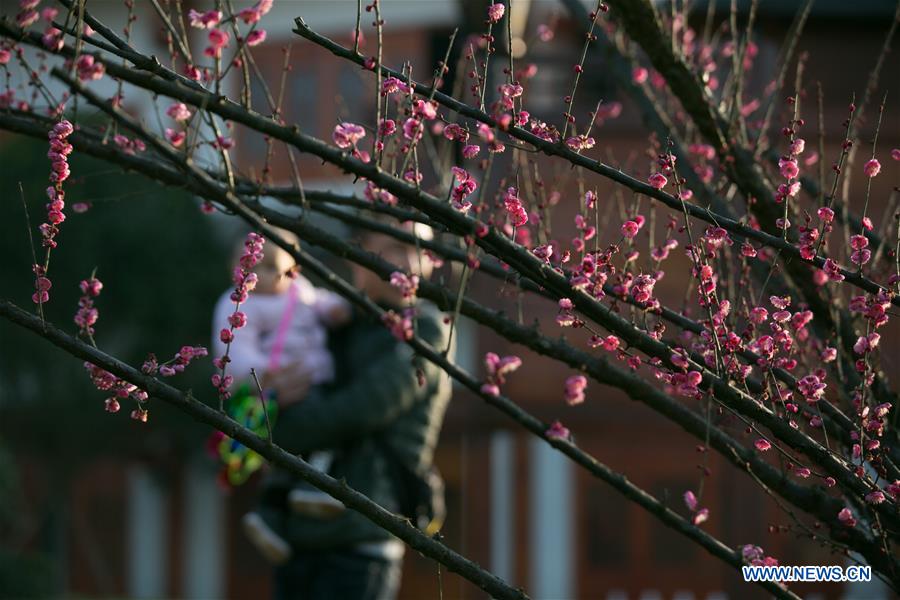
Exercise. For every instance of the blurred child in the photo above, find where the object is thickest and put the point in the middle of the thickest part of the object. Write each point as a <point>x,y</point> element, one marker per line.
<point>286,327</point>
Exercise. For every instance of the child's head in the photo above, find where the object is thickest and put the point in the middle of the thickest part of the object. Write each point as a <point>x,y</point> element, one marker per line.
<point>273,271</point>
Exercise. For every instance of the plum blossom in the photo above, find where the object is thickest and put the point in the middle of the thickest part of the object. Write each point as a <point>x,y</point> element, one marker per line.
<point>872,168</point>
<point>256,37</point>
<point>497,368</point>
<point>788,168</point>
<point>179,111</point>
<point>400,325</point>
<point>658,181</point>
<point>346,135</point>
<point>557,431</point>
<point>495,12</point>
<point>204,20</point>
<point>245,281</point>
<point>175,137</point>
<point>88,68</point>
<point>690,500</point>
<point>575,386</point>
<point>639,75</point>
<point>466,185</point>
<point>580,142</point>
<point>762,445</point>
<point>629,229</point>
<point>218,40</point>
<point>876,497</point>
<point>514,208</point>
<point>406,284</point>
<point>642,289</point>
<point>59,172</point>
<point>565,317</point>
<point>846,517</point>
<point>812,388</point>
<point>255,12</point>
<point>87,315</point>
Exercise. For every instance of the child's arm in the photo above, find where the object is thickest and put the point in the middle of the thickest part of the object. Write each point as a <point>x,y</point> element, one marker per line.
<point>244,352</point>
<point>332,309</point>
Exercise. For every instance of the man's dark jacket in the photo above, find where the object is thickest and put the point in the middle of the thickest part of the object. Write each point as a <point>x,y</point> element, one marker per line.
<point>376,412</point>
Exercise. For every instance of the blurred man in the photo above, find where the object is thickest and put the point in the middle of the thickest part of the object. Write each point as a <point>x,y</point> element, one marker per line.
<point>381,419</point>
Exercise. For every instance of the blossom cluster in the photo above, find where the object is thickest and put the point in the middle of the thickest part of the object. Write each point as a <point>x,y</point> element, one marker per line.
<point>174,365</point>
<point>86,316</point>
<point>58,155</point>
<point>118,390</point>
<point>497,369</point>
<point>245,281</point>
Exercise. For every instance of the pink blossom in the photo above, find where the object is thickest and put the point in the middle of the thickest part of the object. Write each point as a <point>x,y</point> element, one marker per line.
<point>52,39</point>
<point>204,20</point>
<point>762,445</point>
<point>701,516</point>
<point>690,500</point>
<point>797,146</point>
<point>412,129</point>
<point>846,517</point>
<point>545,34</point>
<point>407,284</point>
<point>658,181</point>
<point>346,135</point>
<point>895,154</point>
<point>490,389</point>
<point>788,168</point>
<point>88,69</point>
<point>826,215</point>
<point>179,111</point>
<point>876,497</point>
<point>175,137</point>
<point>255,12</point>
<point>642,289</point>
<point>543,252</point>
<point>557,431</point>
<point>218,39</point>
<point>759,315</point>
<point>630,229</point>
<point>610,343</point>
<point>812,388</point>
<point>400,325</point>
<point>495,12</point>
<point>580,142</point>
<point>87,315</point>
<point>575,386</point>
<point>256,37</point>
<point>872,168</point>
<point>26,18</point>
<point>471,150</point>
<point>832,269</point>
<point>639,75</point>
<point>514,208</point>
<point>497,368</point>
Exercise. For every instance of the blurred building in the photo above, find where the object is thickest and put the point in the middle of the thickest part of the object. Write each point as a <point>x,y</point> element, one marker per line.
<point>150,529</point>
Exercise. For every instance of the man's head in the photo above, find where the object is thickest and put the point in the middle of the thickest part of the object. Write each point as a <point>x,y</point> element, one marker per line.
<point>403,256</point>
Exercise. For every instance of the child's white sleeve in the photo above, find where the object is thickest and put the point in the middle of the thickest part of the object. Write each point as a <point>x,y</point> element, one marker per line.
<point>245,348</point>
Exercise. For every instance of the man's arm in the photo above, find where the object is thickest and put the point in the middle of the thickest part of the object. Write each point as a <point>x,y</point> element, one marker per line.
<point>370,401</point>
